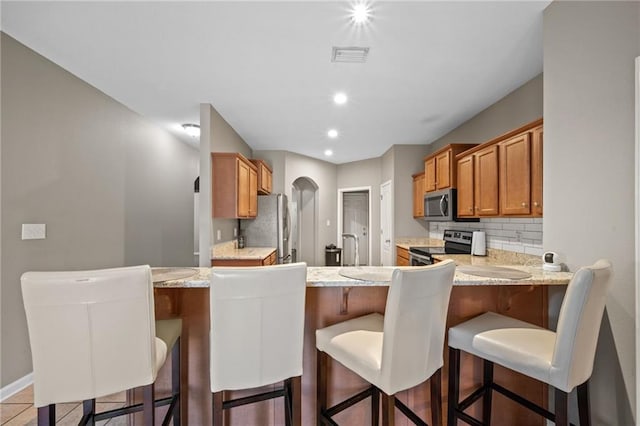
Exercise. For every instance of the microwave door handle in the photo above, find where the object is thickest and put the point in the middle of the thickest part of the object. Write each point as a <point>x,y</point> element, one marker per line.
<point>442,201</point>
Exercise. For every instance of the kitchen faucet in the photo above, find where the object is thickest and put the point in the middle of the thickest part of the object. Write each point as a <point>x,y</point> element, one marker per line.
<point>356,259</point>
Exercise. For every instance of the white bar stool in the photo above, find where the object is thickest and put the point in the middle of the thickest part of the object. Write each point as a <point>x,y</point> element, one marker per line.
<point>257,328</point>
<point>562,359</point>
<point>93,333</point>
<point>393,352</point>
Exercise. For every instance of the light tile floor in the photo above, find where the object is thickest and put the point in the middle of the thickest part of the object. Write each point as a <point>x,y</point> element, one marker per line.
<point>18,410</point>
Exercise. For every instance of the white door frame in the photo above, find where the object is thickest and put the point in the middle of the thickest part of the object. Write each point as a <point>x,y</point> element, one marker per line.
<point>391,222</point>
<point>637,234</point>
<point>341,191</point>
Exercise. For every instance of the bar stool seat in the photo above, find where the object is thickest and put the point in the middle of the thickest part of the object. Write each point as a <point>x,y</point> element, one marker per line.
<point>394,352</point>
<point>562,359</point>
<point>515,344</point>
<point>93,333</point>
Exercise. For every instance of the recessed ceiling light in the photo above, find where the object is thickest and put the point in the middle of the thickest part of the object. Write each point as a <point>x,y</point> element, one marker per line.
<point>328,152</point>
<point>333,133</point>
<point>360,13</point>
<point>192,130</point>
<point>340,98</point>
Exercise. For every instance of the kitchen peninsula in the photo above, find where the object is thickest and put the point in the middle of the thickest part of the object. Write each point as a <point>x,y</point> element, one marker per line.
<point>332,297</point>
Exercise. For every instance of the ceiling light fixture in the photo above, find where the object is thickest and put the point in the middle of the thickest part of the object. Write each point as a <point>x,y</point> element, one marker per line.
<point>328,152</point>
<point>192,130</point>
<point>333,133</point>
<point>340,98</point>
<point>360,13</point>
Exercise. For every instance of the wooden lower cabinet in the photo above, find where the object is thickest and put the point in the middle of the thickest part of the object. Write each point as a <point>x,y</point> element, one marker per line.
<point>402,256</point>
<point>268,260</point>
<point>528,303</point>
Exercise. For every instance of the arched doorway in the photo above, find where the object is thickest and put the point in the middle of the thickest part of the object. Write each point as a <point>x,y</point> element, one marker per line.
<point>304,218</point>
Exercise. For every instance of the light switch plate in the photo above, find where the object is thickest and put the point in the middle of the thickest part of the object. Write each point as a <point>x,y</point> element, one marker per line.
<point>34,231</point>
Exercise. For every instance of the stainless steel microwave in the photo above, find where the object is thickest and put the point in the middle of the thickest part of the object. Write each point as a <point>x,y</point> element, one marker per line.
<point>440,205</point>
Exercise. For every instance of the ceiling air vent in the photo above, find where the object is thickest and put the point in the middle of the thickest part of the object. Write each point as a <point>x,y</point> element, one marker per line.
<point>349,54</point>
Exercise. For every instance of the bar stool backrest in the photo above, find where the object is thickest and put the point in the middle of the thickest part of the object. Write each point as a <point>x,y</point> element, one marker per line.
<point>414,324</point>
<point>257,325</point>
<point>579,325</point>
<point>92,333</point>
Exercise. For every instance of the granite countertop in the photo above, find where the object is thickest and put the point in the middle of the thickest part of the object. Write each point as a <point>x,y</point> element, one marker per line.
<point>228,251</point>
<point>406,242</point>
<point>328,276</point>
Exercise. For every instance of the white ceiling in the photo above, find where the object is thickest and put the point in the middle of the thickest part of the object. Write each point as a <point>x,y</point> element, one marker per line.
<point>265,66</point>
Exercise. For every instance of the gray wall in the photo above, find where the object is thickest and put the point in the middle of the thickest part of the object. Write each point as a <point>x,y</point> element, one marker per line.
<point>112,188</point>
<point>519,107</point>
<point>360,174</point>
<point>223,138</point>
<point>589,51</point>
<point>407,160</point>
<point>324,175</point>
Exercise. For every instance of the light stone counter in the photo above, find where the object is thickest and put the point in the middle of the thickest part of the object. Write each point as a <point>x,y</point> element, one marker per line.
<point>228,251</point>
<point>328,276</point>
<point>406,242</point>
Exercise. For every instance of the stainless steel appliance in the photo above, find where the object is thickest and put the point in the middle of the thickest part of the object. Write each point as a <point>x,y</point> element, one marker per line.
<point>455,242</point>
<point>271,227</point>
<point>442,206</point>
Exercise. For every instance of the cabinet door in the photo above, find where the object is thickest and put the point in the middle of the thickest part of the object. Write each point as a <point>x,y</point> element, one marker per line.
<point>486,181</point>
<point>430,175</point>
<point>243,188</point>
<point>536,171</point>
<point>515,175</point>
<point>269,178</point>
<point>443,170</point>
<point>465,186</point>
<point>253,193</point>
<point>418,195</point>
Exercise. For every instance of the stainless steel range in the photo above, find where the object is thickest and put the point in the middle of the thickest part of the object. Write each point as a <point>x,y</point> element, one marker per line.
<point>455,242</point>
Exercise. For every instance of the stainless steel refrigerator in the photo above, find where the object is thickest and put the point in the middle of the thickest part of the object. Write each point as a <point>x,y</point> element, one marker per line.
<point>271,227</point>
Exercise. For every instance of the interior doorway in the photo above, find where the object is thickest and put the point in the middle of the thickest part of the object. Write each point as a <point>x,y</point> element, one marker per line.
<point>354,217</point>
<point>303,208</point>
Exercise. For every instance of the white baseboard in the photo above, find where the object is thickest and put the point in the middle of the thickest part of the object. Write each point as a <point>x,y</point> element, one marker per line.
<point>15,387</point>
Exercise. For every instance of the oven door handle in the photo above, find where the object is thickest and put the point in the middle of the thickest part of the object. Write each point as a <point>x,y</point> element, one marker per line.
<point>420,257</point>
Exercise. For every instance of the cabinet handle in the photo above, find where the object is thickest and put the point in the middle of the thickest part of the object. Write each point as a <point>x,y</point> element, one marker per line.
<point>471,209</point>
<point>535,204</point>
<point>524,204</point>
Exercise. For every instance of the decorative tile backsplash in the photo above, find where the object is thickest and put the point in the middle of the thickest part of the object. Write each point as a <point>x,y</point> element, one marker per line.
<point>518,235</point>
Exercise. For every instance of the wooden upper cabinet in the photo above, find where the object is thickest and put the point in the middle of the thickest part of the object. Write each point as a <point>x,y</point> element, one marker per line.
<point>439,168</point>
<point>536,171</point>
<point>515,175</point>
<point>418,195</point>
<point>265,177</point>
<point>253,193</point>
<point>233,186</point>
<point>465,187</point>
<point>485,183</point>
<point>430,174</point>
<point>443,170</point>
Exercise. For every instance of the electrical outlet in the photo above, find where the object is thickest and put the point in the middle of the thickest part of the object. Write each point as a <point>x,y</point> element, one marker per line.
<point>34,231</point>
<point>218,235</point>
<point>235,232</point>
<point>328,222</point>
